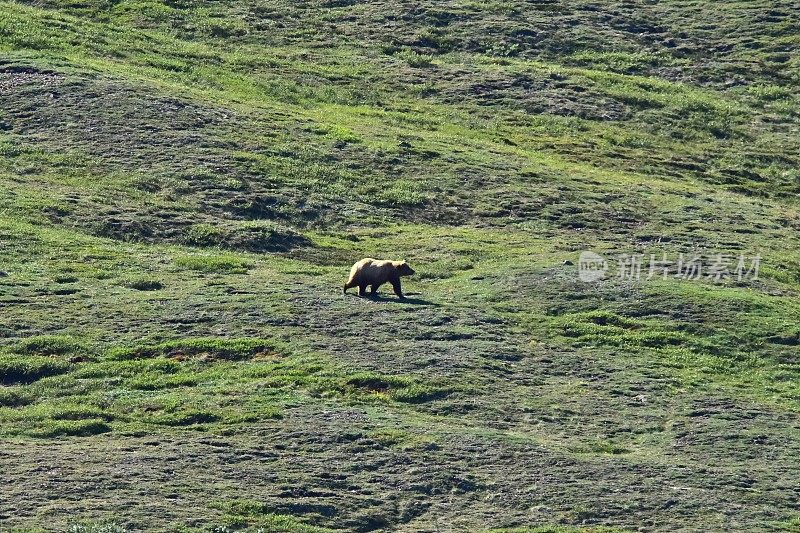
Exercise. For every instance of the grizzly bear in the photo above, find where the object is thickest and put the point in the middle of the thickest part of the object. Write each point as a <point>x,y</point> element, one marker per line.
<point>374,272</point>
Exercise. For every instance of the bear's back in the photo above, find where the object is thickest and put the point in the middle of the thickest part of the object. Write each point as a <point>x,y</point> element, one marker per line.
<point>369,269</point>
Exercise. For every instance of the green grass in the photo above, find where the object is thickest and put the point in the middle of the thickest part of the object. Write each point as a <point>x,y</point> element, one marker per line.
<point>200,383</point>
<point>227,264</point>
<point>184,186</point>
<point>259,517</point>
<point>558,529</point>
<point>21,369</point>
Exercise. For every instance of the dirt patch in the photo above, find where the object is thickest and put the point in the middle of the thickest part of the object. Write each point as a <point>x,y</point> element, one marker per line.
<point>539,95</point>
<point>15,77</point>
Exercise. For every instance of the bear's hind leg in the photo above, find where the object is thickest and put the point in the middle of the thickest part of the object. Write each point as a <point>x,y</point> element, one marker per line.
<point>375,287</point>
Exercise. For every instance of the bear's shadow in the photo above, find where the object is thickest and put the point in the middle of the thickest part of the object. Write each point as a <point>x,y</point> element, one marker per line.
<point>408,300</point>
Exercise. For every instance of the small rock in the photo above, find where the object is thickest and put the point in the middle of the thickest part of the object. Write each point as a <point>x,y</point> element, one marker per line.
<point>568,263</point>
<point>3,274</point>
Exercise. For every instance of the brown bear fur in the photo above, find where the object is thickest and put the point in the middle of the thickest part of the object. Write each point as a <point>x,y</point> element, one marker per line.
<point>375,272</point>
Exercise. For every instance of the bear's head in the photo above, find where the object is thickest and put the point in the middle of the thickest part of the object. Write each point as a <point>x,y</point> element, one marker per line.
<point>404,270</point>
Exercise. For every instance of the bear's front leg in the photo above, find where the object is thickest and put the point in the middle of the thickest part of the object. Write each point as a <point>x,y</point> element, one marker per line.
<point>397,289</point>
<point>375,287</point>
<point>362,290</point>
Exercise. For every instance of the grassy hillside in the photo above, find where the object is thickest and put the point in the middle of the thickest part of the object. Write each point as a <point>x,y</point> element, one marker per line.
<point>184,185</point>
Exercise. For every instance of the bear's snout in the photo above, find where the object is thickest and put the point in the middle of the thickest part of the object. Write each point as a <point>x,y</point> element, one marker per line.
<point>406,270</point>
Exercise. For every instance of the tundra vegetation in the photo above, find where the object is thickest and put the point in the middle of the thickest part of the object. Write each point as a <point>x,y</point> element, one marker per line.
<point>184,185</point>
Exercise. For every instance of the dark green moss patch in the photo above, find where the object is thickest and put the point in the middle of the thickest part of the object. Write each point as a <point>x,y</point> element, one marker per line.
<point>29,368</point>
